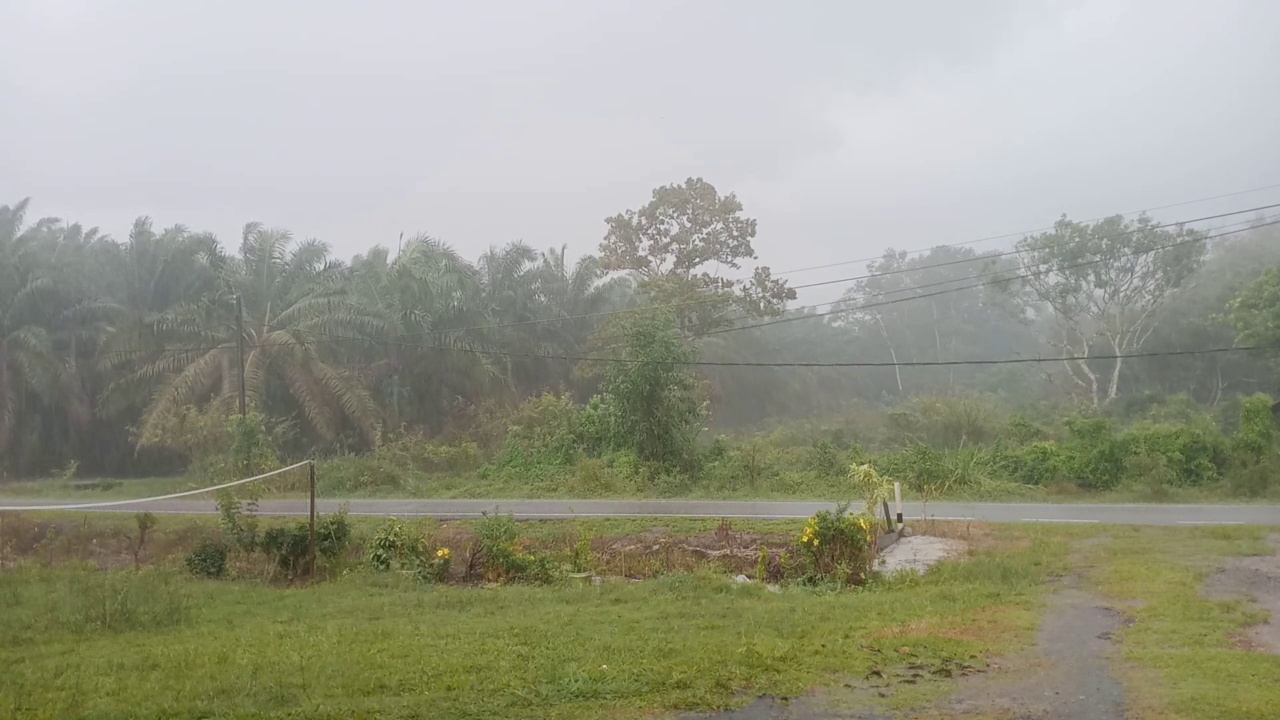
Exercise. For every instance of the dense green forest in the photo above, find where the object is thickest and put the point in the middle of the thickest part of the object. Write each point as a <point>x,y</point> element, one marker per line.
<point>122,356</point>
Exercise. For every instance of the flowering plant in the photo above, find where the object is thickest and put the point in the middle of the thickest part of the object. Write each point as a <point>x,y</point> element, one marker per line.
<point>837,545</point>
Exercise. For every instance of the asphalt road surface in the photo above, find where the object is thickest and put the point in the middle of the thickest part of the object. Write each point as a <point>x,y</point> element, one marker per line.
<point>747,509</point>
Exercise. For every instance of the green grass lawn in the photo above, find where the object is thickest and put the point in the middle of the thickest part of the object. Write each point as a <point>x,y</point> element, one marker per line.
<point>83,643</point>
<point>80,642</point>
<point>1182,663</point>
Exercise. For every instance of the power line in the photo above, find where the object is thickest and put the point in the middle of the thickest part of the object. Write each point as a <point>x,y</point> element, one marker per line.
<point>1000,275</point>
<point>850,364</point>
<point>1010,278</point>
<point>1006,236</point>
<point>705,301</point>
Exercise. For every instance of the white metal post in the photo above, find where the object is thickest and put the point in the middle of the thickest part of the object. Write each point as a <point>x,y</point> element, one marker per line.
<point>897,501</point>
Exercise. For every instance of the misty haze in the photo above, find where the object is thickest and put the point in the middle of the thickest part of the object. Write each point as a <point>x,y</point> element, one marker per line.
<point>618,359</point>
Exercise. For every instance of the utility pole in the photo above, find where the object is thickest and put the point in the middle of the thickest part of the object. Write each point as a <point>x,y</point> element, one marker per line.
<point>240,350</point>
<point>311,523</point>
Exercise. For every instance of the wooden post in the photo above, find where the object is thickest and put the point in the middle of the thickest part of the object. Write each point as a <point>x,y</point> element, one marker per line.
<point>888,519</point>
<point>311,529</point>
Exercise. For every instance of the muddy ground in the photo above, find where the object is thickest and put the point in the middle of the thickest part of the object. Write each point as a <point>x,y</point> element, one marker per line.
<point>1255,579</point>
<point>1065,676</point>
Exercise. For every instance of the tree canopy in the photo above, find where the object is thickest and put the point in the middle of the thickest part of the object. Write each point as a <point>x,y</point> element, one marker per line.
<point>108,348</point>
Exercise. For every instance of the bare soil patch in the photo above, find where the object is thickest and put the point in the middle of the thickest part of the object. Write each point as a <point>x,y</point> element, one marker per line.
<point>1256,579</point>
<point>918,553</point>
<point>656,551</point>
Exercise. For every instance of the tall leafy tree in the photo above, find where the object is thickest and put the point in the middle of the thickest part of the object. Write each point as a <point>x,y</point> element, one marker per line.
<point>1104,283</point>
<point>677,245</point>
<point>946,304</point>
<point>651,399</point>
<point>1199,315</point>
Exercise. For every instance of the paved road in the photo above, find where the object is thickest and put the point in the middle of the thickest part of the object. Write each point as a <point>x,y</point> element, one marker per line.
<point>763,510</point>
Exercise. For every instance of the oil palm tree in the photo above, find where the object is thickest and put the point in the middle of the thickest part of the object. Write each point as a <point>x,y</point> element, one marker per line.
<point>567,295</point>
<point>48,324</point>
<point>161,283</point>
<point>427,297</point>
<point>295,309</point>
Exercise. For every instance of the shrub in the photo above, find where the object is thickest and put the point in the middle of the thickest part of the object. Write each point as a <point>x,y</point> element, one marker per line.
<point>1253,480</point>
<point>838,546</point>
<point>392,546</point>
<point>1194,455</point>
<point>436,568</point>
<point>1152,474</point>
<point>592,476</point>
<point>746,465</point>
<point>333,534</point>
<point>209,560</point>
<point>873,487</point>
<point>920,467</point>
<point>827,460</point>
<point>237,518</point>
<point>1256,437</point>
<point>1040,463</point>
<point>543,431</point>
<point>946,422</point>
<point>1021,431</point>
<point>503,557</point>
<point>288,546</point>
<point>1254,458</point>
<point>396,464</point>
<point>1094,457</point>
<point>224,446</point>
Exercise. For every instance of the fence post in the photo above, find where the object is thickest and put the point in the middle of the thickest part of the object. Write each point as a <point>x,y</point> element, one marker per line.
<point>311,528</point>
<point>897,500</point>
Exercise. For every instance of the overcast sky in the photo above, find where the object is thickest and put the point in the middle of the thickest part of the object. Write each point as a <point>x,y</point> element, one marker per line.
<point>844,127</point>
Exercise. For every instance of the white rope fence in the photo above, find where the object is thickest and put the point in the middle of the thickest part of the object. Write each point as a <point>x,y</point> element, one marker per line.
<point>170,496</point>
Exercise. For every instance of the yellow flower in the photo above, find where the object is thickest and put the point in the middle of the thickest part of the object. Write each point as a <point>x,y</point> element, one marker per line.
<point>443,553</point>
<point>815,542</point>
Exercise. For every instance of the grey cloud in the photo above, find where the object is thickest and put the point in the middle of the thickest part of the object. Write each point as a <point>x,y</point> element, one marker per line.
<point>843,126</point>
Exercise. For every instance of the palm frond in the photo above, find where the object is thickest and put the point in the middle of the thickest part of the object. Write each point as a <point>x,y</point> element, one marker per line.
<point>195,380</point>
<point>312,398</point>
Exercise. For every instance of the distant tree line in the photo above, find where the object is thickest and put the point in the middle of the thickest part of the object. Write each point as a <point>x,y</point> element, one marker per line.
<point>107,344</point>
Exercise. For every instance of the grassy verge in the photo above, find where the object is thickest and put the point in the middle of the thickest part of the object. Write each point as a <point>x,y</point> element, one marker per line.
<point>472,487</point>
<point>81,642</point>
<point>1181,661</point>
